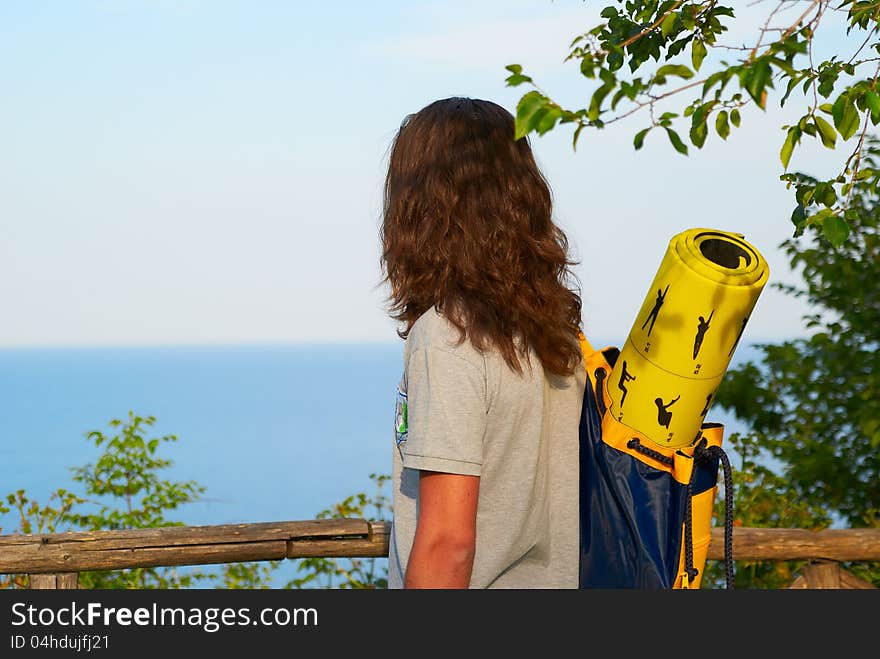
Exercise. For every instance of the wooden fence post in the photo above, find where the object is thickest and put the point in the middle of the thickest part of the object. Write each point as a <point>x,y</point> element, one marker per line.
<point>59,580</point>
<point>828,575</point>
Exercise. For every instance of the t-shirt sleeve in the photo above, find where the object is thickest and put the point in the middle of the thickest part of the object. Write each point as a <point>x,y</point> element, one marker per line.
<point>446,399</point>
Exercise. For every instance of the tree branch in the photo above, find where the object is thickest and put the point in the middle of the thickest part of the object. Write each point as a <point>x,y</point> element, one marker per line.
<point>857,154</point>
<point>648,29</point>
<point>654,99</point>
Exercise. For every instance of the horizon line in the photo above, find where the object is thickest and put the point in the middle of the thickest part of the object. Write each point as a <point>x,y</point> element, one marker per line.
<point>304,343</point>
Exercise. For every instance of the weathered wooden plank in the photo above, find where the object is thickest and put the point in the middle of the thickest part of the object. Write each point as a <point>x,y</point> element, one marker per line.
<point>195,535</point>
<point>41,582</point>
<point>829,575</point>
<point>759,544</point>
<point>799,583</point>
<point>72,552</point>
<point>348,548</point>
<point>822,576</point>
<point>850,581</point>
<point>59,581</point>
<point>380,532</point>
<point>67,581</point>
<point>43,559</point>
<point>375,545</point>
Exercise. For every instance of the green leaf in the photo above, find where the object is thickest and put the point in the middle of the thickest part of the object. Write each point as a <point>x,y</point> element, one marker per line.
<point>614,59</point>
<point>836,230</point>
<point>798,215</point>
<point>804,194</point>
<point>873,103</point>
<point>679,70</point>
<point>756,79</point>
<point>607,75</point>
<point>639,139</point>
<point>679,146</point>
<point>514,80</point>
<point>577,134</point>
<point>793,137</point>
<point>596,101</point>
<point>825,193</point>
<point>846,116</point>
<point>826,131</point>
<point>702,111</point>
<point>546,122</point>
<point>698,132</point>
<point>721,125</point>
<point>789,88</point>
<point>698,53</point>
<point>515,69</point>
<point>734,117</point>
<point>807,127</point>
<point>528,105</point>
<point>668,24</point>
<point>687,20</point>
<point>712,80</point>
<point>827,80</point>
<point>588,66</point>
<point>785,66</point>
<point>818,218</point>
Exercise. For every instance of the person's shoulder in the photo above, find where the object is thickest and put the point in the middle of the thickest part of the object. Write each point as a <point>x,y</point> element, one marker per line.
<point>434,331</point>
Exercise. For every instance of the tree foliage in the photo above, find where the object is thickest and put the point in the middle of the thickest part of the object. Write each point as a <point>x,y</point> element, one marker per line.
<point>124,489</point>
<point>647,54</point>
<point>761,498</point>
<point>350,573</point>
<point>813,404</point>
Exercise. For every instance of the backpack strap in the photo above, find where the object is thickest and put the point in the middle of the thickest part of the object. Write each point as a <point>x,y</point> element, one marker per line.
<point>586,347</point>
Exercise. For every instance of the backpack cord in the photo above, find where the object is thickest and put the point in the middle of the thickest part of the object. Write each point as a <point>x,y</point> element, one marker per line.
<point>689,568</point>
<point>636,445</point>
<point>702,453</point>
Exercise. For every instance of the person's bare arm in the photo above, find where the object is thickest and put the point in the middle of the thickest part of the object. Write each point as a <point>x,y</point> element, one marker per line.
<point>442,555</point>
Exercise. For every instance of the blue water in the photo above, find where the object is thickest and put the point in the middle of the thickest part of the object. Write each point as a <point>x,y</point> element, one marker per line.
<point>273,432</point>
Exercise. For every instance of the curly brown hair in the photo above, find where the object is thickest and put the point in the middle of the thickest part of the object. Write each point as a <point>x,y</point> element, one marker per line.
<point>467,229</point>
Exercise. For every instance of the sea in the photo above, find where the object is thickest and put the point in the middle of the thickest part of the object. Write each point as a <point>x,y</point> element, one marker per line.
<point>272,432</point>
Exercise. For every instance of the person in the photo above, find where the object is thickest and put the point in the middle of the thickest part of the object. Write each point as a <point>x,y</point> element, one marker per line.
<point>664,416</point>
<point>485,458</point>
<point>625,376</point>
<point>702,327</point>
<point>655,311</point>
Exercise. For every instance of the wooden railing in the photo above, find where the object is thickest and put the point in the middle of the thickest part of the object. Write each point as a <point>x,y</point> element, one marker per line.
<point>53,560</point>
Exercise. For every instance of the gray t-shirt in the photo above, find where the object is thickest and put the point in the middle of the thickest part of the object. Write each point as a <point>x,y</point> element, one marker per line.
<point>463,411</point>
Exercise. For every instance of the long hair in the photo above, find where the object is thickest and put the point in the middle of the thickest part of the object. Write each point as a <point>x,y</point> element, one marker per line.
<point>467,228</point>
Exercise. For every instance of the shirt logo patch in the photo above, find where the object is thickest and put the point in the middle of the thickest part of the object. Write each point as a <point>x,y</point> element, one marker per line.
<point>401,426</point>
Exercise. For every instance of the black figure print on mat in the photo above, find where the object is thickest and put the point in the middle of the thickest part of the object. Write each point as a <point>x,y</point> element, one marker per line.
<point>742,329</point>
<point>708,401</point>
<point>652,317</point>
<point>664,416</point>
<point>702,328</point>
<point>624,378</point>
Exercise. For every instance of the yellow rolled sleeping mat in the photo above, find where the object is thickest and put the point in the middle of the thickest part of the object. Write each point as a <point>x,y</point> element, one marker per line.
<point>685,334</point>
<point>649,461</point>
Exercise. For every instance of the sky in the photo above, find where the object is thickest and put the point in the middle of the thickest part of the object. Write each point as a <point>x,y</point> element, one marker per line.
<point>210,171</point>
